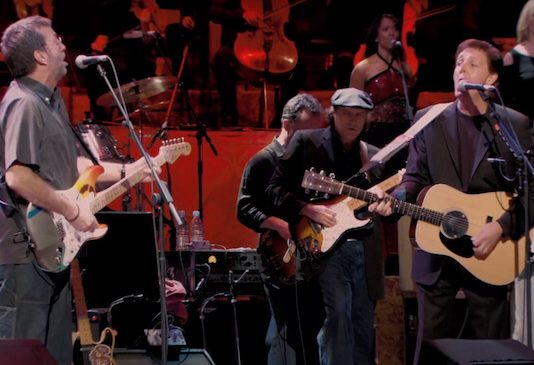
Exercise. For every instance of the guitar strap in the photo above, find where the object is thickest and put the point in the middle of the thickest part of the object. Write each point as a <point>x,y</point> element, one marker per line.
<point>87,150</point>
<point>11,209</point>
<point>364,156</point>
<point>364,152</point>
<point>403,139</point>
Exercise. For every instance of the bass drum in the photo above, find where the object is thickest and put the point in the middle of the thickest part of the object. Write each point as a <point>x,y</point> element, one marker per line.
<point>99,140</point>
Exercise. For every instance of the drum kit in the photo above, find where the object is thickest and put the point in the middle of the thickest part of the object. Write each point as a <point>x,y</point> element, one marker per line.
<point>149,111</point>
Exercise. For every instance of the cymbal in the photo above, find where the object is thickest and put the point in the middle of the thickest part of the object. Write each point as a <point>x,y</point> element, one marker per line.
<point>153,115</point>
<point>139,90</point>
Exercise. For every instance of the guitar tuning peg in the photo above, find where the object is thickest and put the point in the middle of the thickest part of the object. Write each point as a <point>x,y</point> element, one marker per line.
<point>326,196</point>
<point>312,169</point>
<point>322,173</point>
<point>306,191</point>
<point>332,175</point>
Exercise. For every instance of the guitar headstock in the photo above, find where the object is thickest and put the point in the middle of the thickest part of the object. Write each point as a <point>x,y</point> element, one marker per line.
<point>320,182</point>
<point>174,148</point>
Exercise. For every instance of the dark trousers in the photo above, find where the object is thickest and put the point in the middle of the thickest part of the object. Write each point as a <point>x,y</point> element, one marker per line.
<point>35,305</point>
<point>347,336</point>
<point>297,316</point>
<point>487,314</point>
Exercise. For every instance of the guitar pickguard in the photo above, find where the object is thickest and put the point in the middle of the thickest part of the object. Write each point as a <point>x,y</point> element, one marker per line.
<point>460,246</point>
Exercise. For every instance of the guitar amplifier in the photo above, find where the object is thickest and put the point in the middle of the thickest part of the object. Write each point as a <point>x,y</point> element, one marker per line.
<point>207,272</point>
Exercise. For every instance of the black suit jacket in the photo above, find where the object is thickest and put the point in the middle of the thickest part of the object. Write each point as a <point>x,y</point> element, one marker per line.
<point>313,148</point>
<point>434,159</point>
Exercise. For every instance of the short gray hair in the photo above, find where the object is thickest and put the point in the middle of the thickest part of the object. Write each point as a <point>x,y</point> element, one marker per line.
<point>19,42</point>
<point>299,103</point>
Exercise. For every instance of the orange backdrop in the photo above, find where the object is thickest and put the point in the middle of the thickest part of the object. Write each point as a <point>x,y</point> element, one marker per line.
<point>221,178</point>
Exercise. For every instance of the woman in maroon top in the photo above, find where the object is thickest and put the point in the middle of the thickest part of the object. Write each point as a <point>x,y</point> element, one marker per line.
<point>380,75</point>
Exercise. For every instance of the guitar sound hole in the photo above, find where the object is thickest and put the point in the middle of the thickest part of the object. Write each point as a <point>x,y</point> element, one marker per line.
<point>454,224</point>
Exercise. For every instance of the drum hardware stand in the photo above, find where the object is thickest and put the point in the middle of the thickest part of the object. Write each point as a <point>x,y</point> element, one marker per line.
<point>263,117</point>
<point>228,294</point>
<point>165,197</point>
<point>200,126</point>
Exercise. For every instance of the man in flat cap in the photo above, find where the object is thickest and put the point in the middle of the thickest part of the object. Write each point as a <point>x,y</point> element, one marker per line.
<point>350,275</point>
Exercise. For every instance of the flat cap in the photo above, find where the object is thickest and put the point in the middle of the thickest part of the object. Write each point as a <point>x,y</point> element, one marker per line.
<point>352,97</point>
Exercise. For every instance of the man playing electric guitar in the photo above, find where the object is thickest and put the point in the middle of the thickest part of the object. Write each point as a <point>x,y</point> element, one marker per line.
<point>351,274</point>
<point>458,149</point>
<point>254,211</point>
<point>39,159</point>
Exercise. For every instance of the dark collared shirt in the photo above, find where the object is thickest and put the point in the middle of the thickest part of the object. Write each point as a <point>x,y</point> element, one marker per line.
<point>252,206</point>
<point>34,132</point>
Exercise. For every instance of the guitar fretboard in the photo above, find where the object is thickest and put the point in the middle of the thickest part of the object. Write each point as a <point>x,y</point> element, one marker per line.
<point>84,327</point>
<point>107,196</point>
<point>398,206</point>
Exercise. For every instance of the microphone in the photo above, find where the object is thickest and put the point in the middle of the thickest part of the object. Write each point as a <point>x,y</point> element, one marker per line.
<point>464,86</point>
<point>396,49</point>
<point>85,61</point>
<point>161,133</point>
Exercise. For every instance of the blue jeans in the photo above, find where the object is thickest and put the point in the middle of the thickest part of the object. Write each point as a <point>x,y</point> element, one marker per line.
<point>34,305</point>
<point>347,336</point>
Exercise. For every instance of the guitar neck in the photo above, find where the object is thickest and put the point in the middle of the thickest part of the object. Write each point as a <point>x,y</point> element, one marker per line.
<point>84,327</point>
<point>412,210</point>
<point>122,186</point>
<point>385,185</point>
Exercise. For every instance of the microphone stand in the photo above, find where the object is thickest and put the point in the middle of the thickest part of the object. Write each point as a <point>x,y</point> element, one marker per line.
<point>161,133</point>
<point>510,139</point>
<point>201,133</point>
<point>233,301</point>
<point>409,110</point>
<point>165,195</point>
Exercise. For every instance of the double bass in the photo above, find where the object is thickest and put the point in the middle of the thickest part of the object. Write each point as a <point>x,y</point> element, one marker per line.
<point>265,53</point>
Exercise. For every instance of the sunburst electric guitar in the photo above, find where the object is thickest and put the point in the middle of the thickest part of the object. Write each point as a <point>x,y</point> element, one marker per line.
<point>279,254</point>
<point>444,220</point>
<point>56,241</point>
<point>93,353</point>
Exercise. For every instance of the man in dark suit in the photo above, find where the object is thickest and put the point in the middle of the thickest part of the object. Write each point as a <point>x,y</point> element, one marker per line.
<point>455,150</point>
<point>350,275</point>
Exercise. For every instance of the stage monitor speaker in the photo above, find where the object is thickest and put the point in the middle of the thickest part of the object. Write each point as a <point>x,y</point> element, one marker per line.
<point>24,352</point>
<point>481,352</point>
<point>187,357</point>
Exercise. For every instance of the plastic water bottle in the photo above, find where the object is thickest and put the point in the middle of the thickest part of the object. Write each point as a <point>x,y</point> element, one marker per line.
<point>182,232</point>
<point>197,230</point>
